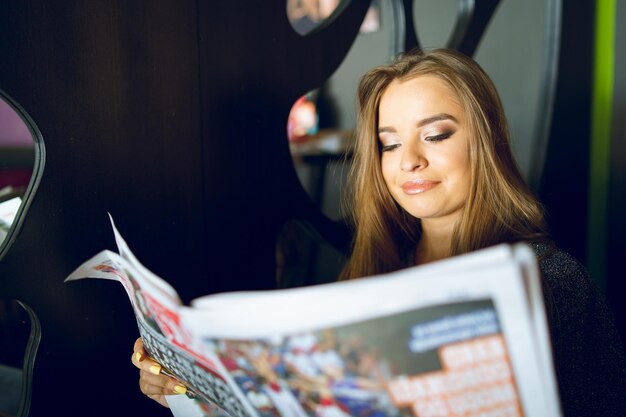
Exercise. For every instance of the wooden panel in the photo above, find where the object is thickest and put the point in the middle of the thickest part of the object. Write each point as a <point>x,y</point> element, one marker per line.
<point>114,91</point>
<point>171,116</point>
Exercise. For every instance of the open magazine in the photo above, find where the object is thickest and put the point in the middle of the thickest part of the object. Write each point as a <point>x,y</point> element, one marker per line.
<point>462,337</point>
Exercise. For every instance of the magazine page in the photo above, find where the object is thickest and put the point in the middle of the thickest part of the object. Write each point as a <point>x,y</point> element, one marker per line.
<point>420,322</point>
<point>182,356</point>
<point>539,321</point>
<point>125,252</point>
<point>480,261</point>
<point>418,342</point>
<point>443,360</point>
<point>110,265</point>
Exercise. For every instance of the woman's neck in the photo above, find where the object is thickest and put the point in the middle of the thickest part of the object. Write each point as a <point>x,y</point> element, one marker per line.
<point>435,242</point>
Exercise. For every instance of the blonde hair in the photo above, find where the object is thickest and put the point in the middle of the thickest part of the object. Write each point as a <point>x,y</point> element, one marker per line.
<point>500,207</point>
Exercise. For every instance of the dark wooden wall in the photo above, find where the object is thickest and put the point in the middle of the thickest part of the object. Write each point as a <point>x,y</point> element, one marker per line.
<point>170,115</point>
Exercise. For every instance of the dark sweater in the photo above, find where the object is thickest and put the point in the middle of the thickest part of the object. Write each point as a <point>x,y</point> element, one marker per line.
<point>588,354</point>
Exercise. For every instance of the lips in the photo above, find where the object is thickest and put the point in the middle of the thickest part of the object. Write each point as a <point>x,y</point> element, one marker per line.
<point>418,186</point>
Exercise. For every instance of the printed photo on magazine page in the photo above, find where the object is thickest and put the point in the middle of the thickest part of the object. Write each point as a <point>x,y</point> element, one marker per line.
<point>446,360</point>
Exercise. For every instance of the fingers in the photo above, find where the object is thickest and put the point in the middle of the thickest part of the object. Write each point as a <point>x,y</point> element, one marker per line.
<point>151,380</point>
<point>139,353</point>
<point>149,367</point>
<point>159,384</point>
<point>145,363</point>
<point>140,359</point>
<point>156,387</point>
<point>139,346</point>
<point>151,384</point>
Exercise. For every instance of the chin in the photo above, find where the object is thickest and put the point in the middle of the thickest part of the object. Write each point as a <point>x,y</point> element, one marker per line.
<point>422,214</point>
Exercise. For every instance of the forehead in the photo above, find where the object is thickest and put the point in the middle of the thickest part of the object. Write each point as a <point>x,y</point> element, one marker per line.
<point>421,96</point>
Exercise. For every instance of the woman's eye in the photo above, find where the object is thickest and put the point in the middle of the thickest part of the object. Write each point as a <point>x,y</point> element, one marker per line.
<point>387,148</point>
<point>438,138</point>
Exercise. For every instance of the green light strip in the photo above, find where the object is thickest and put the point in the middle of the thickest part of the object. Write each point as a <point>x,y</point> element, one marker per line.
<point>601,139</point>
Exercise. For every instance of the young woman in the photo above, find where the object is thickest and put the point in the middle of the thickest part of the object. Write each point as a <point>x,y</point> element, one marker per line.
<point>433,171</point>
<point>433,176</point>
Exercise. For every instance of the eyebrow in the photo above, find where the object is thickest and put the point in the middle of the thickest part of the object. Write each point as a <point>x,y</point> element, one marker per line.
<point>436,118</point>
<point>423,122</point>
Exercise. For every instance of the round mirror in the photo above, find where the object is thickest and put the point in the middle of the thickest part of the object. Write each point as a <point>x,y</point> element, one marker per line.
<point>320,129</point>
<point>306,15</point>
<point>20,159</point>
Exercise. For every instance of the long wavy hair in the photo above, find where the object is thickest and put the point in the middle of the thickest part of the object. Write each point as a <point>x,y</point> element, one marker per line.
<point>500,206</point>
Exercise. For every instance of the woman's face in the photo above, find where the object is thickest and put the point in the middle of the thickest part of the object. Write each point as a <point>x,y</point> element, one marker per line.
<point>425,148</point>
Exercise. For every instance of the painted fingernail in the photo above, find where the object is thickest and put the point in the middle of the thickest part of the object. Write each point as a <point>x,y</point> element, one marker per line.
<point>180,389</point>
<point>155,369</point>
<point>139,356</point>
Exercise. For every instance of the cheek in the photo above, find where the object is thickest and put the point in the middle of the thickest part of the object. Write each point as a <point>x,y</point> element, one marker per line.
<point>464,185</point>
<point>462,174</point>
<point>458,165</point>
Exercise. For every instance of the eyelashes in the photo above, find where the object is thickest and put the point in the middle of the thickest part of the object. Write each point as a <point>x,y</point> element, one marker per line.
<point>388,148</point>
<point>440,137</point>
<point>434,138</point>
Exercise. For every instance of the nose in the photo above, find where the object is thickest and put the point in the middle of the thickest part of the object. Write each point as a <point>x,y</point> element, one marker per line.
<point>412,158</point>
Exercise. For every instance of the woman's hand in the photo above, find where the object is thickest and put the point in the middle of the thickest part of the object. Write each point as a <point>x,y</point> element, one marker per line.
<point>151,381</point>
